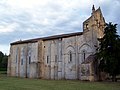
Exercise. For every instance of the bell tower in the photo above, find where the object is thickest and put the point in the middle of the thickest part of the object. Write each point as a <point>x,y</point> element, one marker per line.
<point>94,26</point>
<point>95,22</point>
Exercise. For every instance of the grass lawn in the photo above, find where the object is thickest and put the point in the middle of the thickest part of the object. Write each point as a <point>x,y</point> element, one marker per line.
<point>12,83</point>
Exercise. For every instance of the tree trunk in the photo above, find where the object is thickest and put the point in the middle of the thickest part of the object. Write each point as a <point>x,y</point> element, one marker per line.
<point>114,78</point>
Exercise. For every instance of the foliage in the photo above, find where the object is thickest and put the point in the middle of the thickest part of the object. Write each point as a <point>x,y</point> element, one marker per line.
<point>109,51</point>
<point>1,56</point>
<point>3,61</point>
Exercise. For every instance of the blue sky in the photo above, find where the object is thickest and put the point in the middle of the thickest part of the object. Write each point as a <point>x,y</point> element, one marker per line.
<point>25,19</point>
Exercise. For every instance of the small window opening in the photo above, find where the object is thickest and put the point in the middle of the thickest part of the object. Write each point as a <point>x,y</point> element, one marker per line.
<point>55,58</point>
<point>29,59</point>
<point>21,61</point>
<point>70,56</point>
<point>47,59</point>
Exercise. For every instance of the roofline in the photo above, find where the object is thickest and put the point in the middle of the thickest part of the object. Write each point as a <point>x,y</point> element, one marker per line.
<point>22,42</point>
<point>62,36</point>
<point>98,9</point>
<point>46,38</point>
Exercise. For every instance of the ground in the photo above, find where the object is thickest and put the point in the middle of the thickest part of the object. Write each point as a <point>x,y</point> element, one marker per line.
<point>13,83</point>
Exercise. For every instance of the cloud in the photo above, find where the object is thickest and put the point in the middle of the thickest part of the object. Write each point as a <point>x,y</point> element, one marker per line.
<point>27,3</point>
<point>37,18</point>
<point>10,27</point>
<point>111,12</point>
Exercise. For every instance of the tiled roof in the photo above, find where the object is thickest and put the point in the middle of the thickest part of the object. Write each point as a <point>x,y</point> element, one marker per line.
<point>47,38</point>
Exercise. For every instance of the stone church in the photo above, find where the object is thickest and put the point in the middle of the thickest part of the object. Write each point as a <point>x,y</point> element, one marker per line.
<point>65,56</point>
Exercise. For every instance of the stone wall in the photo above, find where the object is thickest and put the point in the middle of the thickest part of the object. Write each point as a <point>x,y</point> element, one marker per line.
<point>63,57</point>
<point>23,60</point>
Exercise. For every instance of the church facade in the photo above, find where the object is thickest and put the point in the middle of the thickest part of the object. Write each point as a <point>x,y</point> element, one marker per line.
<point>66,56</point>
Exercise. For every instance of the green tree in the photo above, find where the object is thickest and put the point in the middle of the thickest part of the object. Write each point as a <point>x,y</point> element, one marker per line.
<point>3,61</point>
<point>109,51</point>
<point>1,56</point>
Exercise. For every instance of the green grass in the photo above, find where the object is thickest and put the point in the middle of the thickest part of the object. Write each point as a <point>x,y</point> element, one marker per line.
<point>12,83</point>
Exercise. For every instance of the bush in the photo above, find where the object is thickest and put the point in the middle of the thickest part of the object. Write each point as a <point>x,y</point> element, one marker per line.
<point>3,69</point>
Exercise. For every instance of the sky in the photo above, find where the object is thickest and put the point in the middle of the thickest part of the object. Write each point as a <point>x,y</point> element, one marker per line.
<point>26,19</point>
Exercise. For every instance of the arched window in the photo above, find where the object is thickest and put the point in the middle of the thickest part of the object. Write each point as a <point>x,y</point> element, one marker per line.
<point>83,55</point>
<point>70,55</point>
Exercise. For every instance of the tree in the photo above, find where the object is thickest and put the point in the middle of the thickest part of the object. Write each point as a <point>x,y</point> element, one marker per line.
<point>1,56</point>
<point>109,51</point>
<point>3,61</point>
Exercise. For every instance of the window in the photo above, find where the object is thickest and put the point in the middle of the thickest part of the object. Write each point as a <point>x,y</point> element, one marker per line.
<point>55,58</point>
<point>87,26</point>
<point>16,58</point>
<point>21,61</point>
<point>29,59</point>
<point>83,55</point>
<point>70,56</point>
<point>47,59</point>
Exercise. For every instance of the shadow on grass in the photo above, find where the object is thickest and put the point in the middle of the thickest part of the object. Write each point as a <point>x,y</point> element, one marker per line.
<point>3,73</point>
